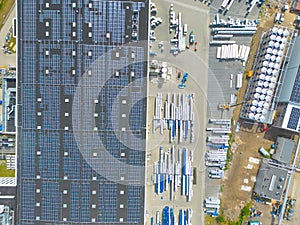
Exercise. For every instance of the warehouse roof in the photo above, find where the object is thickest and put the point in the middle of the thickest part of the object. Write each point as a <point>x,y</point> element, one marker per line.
<point>283,149</point>
<point>270,181</point>
<point>292,78</point>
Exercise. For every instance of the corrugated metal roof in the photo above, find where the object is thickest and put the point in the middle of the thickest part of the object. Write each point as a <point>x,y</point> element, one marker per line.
<point>283,150</point>
<point>291,73</point>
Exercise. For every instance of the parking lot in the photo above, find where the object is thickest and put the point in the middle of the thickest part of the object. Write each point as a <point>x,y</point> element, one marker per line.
<point>195,63</point>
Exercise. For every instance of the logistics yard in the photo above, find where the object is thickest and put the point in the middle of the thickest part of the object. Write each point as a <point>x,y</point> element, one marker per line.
<point>225,57</point>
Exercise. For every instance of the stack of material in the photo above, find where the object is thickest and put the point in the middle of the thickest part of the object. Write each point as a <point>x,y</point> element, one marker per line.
<point>234,51</point>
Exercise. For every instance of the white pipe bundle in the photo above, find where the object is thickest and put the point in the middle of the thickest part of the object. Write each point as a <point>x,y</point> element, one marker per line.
<point>229,5</point>
<point>224,3</point>
<point>233,52</point>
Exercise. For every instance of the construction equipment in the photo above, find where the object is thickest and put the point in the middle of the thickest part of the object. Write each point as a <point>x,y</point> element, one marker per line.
<point>183,85</point>
<point>250,74</point>
<point>264,127</point>
<point>196,47</point>
<point>191,38</point>
<point>228,106</point>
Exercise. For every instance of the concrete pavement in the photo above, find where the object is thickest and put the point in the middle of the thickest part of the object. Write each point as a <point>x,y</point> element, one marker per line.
<point>6,59</point>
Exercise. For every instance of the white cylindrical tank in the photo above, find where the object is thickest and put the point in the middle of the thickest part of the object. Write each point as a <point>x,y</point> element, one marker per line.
<point>280,31</point>
<point>264,69</point>
<point>257,116</point>
<point>271,64</point>
<point>266,84</point>
<point>265,63</point>
<point>266,105</point>
<point>278,38</point>
<point>286,33</point>
<point>262,76</point>
<point>258,110</point>
<point>272,86</point>
<point>258,90</point>
<point>254,102</point>
<point>264,111</point>
<point>273,58</point>
<point>256,95</point>
<point>284,40</point>
<point>260,83</point>
<point>269,71</point>
<point>268,99</point>
<point>262,97</point>
<point>273,37</point>
<point>269,92</point>
<point>267,56</point>
<point>276,45</point>
<point>271,43</point>
<point>278,59</point>
<point>268,78</point>
<point>253,108</point>
<point>276,66</point>
<point>269,50</point>
<point>274,52</point>
<point>274,30</point>
<point>260,104</point>
<point>280,53</point>
<point>264,91</point>
<point>273,79</point>
<point>251,116</point>
<point>275,73</point>
<point>282,46</point>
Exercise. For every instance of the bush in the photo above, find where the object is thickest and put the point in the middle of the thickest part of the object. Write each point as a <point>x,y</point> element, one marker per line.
<point>221,219</point>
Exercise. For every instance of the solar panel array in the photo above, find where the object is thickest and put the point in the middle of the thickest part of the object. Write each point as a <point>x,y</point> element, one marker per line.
<point>63,178</point>
<point>295,96</point>
<point>294,119</point>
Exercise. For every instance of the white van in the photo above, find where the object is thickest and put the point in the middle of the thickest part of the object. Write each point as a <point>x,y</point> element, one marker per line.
<point>185,28</point>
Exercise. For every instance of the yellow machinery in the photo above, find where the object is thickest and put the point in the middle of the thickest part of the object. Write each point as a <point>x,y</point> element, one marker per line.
<point>250,74</point>
<point>228,106</point>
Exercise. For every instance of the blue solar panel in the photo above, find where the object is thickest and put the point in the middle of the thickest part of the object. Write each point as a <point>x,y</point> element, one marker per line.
<point>294,119</point>
<point>28,155</point>
<point>74,202</point>
<point>85,203</point>
<point>110,202</point>
<point>134,193</point>
<point>48,146</point>
<point>27,199</point>
<point>295,96</point>
<point>50,201</point>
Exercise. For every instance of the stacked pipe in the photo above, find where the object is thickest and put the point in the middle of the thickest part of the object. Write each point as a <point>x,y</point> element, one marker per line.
<point>234,51</point>
<point>173,171</point>
<point>178,116</point>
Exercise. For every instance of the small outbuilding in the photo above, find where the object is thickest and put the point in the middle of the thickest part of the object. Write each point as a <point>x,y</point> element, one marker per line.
<point>270,181</point>
<point>283,149</point>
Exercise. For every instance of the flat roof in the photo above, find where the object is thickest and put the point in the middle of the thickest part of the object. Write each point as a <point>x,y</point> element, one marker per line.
<point>283,149</point>
<point>270,181</point>
<point>291,120</point>
<point>290,88</point>
<point>9,105</point>
<point>80,160</point>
